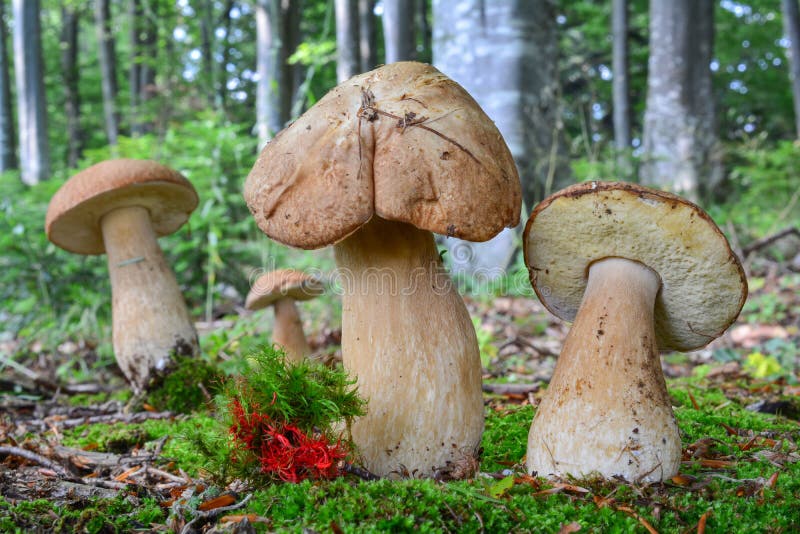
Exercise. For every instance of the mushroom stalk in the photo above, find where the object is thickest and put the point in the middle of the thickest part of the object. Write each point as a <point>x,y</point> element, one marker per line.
<point>607,409</point>
<point>150,321</point>
<point>288,331</point>
<point>409,340</point>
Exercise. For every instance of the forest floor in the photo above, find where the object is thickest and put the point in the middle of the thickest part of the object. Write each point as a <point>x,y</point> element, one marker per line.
<point>76,459</point>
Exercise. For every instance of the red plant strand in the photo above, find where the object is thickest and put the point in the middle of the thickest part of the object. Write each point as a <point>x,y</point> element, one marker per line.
<point>284,450</point>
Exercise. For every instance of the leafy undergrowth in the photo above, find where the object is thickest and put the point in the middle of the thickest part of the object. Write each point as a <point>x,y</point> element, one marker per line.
<point>740,474</point>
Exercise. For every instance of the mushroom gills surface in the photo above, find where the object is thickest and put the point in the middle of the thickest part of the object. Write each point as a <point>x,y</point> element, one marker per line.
<point>149,317</point>
<point>409,340</point>
<point>607,410</point>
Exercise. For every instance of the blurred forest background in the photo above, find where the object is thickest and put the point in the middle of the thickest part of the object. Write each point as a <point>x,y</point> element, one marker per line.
<point>695,96</point>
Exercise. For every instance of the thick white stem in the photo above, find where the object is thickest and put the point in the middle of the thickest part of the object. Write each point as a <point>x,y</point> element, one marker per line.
<point>408,338</point>
<point>150,321</point>
<point>607,409</point>
<point>288,331</point>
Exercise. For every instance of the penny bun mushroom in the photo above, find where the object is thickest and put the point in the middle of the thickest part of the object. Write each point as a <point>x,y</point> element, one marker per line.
<point>373,168</point>
<point>638,271</point>
<point>281,289</point>
<point>120,208</point>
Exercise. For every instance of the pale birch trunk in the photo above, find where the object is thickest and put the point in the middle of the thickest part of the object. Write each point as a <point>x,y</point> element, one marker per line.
<point>682,152</point>
<point>398,30</point>
<point>505,53</point>
<point>8,148</point>
<point>31,107</point>
<point>348,60</point>
<point>791,25</point>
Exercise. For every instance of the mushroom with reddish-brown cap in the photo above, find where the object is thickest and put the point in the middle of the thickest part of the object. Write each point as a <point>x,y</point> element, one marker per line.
<point>120,208</point>
<point>379,163</point>
<point>281,289</point>
<point>638,270</point>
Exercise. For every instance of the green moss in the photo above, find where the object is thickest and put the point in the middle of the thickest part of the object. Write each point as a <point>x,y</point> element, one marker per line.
<point>95,516</point>
<point>177,447</point>
<point>185,388</point>
<point>475,505</point>
<point>505,437</point>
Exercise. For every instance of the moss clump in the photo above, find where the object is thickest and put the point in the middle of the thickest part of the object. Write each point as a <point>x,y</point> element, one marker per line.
<point>281,420</point>
<point>121,514</point>
<point>187,387</point>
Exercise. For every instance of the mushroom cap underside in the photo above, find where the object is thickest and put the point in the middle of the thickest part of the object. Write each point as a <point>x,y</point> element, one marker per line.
<point>403,142</point>
<point>282,283</point>
<point>73,216</point>
<point>703,285</point>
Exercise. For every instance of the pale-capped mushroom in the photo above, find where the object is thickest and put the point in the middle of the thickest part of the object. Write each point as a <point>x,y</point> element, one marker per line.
<point>120,208</point>
<point>379,163</point>
<point>637,270</point>
<point>281,289</point>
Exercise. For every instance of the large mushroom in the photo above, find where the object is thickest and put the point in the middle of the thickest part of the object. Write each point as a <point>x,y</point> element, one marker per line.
<point>638,270</point>
<point>282,289</point>
<point>120,208</point>
<point>379,163</point>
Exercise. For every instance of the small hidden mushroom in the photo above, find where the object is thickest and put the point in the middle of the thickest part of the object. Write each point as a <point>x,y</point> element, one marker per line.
<point>373,168</point>
<point>637,270</point>
<point>281,289</point>
<point>120,208</point>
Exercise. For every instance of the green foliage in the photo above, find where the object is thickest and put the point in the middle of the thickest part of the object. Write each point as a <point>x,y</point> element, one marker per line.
<point>765,193</point>
<point>184,389</point>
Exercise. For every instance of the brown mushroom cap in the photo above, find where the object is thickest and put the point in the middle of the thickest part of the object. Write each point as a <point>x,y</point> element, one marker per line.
<point>703,285</point>
<point>283,283</point>
<point>404,142</point>
<point>73,217</point>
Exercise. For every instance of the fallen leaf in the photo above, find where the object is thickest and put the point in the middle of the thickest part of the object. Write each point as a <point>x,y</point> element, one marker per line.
<point>236,518</point>
<point>571,488</point>
<point>631,512</point>
<point>217,502</point>
<point>683,480</point>
<point>569,528</point>
<point>715,464</point>
<point>122,477</point>
<point>501,487</point>
<point>701,524</point>
<point>772,480</point>
<point>751,335</point>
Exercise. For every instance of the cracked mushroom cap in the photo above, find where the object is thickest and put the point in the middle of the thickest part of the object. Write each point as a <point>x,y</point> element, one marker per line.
<point>403,142</point>
<point>283,283</point>
<point>703,285</point>
<point>73,216</point>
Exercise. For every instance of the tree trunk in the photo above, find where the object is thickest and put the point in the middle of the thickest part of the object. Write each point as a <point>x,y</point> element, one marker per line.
<point>621,92</point>
<point>681,148</point>
<point>398,30</point>
<point>347,39</point>
<point>31,105</point>
<point>207,27</point>
<point>71,75</point>
<point>791,25</point>
<point>108,68</point>
<point>366,33</point>
<point>134,19</point>
<point>226,23</point>
<point>277,37</point>
<point>423,27</point>
<point>144,50</point>
<point>8,149</point>
<point>504,53</point>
